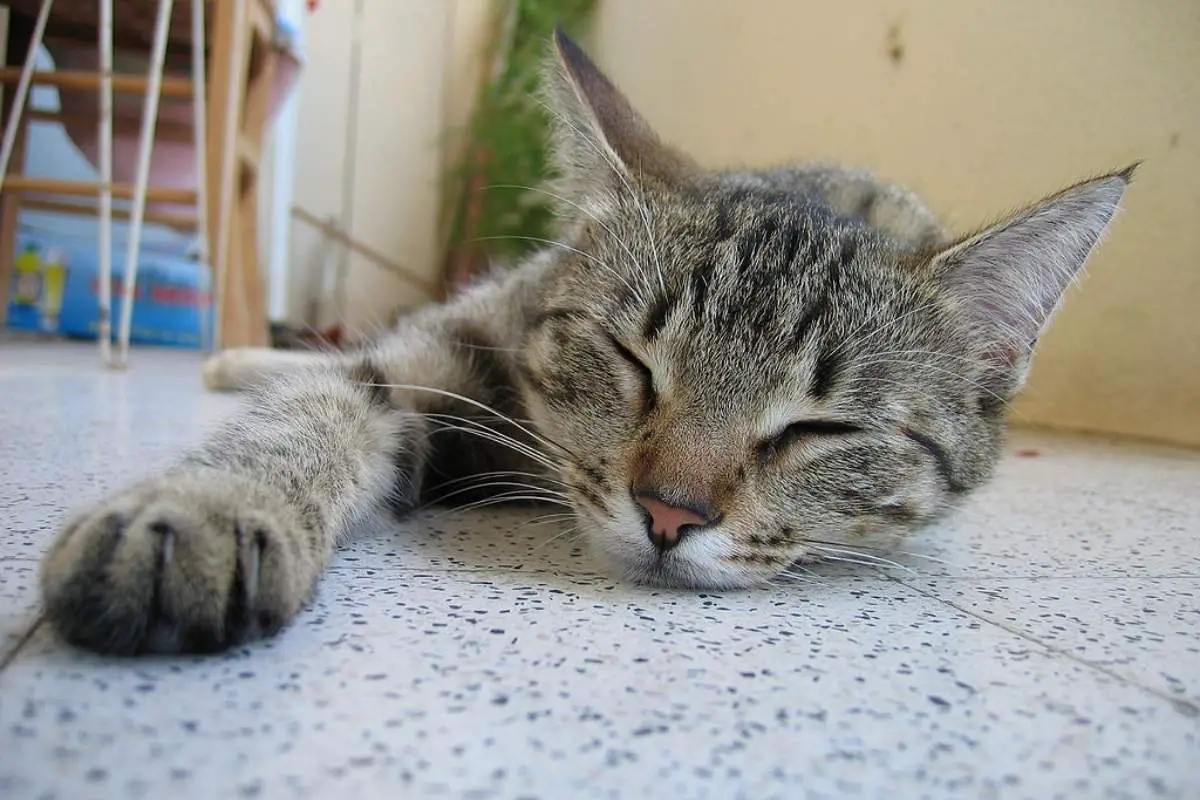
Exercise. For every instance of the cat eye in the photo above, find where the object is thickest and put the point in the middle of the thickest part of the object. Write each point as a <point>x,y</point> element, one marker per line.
<point>639,366</point>
<point>805,429</point>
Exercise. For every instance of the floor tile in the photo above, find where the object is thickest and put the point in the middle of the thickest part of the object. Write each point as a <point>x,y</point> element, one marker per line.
<point>1042,643</point>
<point>512,685</point>
<point>1145,630</point>
<point>18,601</point>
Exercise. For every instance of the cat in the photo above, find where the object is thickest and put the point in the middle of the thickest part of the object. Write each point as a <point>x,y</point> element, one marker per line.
<point>721,373</point>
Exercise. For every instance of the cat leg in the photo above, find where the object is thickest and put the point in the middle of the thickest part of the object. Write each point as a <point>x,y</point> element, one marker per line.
<point>241,368</point>
<point>228,544</point>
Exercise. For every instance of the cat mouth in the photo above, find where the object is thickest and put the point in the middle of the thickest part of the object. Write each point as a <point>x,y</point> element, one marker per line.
<point>698,562</point>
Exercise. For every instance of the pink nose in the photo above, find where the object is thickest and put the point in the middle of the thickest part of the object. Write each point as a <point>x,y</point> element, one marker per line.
<point>668,523</point>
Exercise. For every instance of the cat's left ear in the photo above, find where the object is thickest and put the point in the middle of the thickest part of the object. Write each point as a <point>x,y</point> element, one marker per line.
<point>1008,280</point>
<point>601,141</point>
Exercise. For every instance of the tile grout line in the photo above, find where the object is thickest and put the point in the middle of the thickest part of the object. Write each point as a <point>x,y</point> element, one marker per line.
<point>24,639</point>
<point>1182,705</point>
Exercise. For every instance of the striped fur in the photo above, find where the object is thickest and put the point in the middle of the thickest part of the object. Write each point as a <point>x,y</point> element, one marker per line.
<point>804,352</point>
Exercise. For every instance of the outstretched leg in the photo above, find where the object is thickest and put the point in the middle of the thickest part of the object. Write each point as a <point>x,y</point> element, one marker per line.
<point>244,368</point>
<point>229,543</point>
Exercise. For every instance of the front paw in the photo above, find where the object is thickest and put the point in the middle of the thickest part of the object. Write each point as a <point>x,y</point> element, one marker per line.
<point>194,562</point>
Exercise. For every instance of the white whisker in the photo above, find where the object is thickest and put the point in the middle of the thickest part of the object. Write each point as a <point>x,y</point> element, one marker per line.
<point>612,271</point>
<point>853,339</point>
<point>481,406</point>
<point>619,171</point>
<point>546,493</point>
<point>505,498</point>
<point>860,547</point>
<point>493,435</point>
<point>569,533</point>
<point>500,473</point>
<point>935,368</point>
<point>868,560</point>
<point>546,519</point>
<point>575,205</point>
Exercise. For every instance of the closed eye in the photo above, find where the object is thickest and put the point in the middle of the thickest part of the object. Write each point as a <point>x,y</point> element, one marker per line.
<point>805,429</point>
<point>643,371</point>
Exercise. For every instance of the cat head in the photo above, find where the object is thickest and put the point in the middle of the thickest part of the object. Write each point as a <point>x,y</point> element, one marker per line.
<point>745,374</point>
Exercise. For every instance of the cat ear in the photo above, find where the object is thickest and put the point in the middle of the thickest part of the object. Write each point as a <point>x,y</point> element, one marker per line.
<point>1008,280</point>
<point>600,140</point>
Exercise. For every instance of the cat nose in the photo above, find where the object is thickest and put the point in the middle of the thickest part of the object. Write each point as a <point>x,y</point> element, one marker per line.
<point>669,522</point>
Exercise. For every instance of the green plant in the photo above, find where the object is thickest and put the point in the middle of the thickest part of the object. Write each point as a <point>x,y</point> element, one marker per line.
<point>505,143</point>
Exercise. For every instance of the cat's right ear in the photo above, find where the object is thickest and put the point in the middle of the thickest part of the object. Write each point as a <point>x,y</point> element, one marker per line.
<point>600,142</point>
<point>1007,280</point>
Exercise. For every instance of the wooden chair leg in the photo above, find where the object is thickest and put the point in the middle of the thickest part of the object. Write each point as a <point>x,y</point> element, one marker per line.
<point>21,36</point>
<point>145,150</point>
<point>10,208</point>
<point>260,82</point>
<point>227,93</point>
<point>199,133</point>
<point>254,301</point>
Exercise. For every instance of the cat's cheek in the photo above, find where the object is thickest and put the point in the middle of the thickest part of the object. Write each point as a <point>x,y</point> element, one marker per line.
<point>618,539</point>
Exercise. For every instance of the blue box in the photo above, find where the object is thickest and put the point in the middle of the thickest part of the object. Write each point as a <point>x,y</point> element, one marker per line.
<point>169,308</point>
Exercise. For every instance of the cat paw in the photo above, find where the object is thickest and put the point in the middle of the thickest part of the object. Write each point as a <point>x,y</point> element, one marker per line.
<point>244,368</point>
<point>192,563</point>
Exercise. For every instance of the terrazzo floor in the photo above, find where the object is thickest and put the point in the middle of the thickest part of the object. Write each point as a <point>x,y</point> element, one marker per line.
<point>1045,643</point>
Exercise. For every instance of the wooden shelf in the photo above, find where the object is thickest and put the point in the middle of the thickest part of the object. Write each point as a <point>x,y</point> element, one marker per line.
<point>262,18</point>
<point>241,64</point>
<point>180,221</point>
<point>165,129</point>
<point>121,191</point>
<point>75,80</point>
<point>249,152</point>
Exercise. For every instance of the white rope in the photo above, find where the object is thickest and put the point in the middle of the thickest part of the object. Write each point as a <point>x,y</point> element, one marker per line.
<point>18,106</point>
<point>200,142</point>
<point>104,323</point>
<point>145,147</point>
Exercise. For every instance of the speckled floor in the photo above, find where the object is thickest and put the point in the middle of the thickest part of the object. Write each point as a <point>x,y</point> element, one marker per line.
<point>1052,649</point>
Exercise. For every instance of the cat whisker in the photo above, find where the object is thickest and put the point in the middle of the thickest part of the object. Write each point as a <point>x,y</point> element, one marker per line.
<point>470,346</point>
<point>441,499</point>
<point>927,365</point>
<point>861,547</point>
<point>603,264</point>
<point>889,353</point>
<point>570,534</point>
<point>854,340</point>
<point>867,560</point>
<point>893,383</point>
<point>491,434</point>
<point>546,519</point>
<point>482,406</point>
<point>792,575</point>
<point>619,171</point>
<point>504,498</point>
<point>648,221</point>
<point>574,205</point>
<point>500,473</point>
<point>831,559</point>
<point>924,557</point>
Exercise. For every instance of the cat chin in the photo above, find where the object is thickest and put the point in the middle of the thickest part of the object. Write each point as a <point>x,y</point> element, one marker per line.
<point>684,575</point>
<point>676,570</point>
<point>695,564</point>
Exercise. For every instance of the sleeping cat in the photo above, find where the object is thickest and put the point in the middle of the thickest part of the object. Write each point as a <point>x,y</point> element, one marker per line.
<point>721,373</point>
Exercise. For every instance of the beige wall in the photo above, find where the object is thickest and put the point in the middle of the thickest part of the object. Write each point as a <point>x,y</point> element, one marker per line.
<point>392,206</point>
<point>420,68</point>
<point>980,106</point>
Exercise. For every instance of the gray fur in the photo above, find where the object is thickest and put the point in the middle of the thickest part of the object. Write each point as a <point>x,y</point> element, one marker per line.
<point>805,351</point>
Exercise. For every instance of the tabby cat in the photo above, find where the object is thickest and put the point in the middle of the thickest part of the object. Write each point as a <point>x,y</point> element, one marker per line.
<point>721,372</point>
